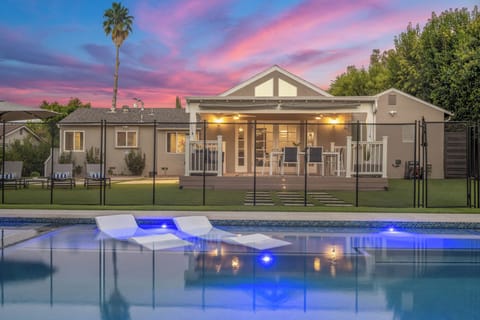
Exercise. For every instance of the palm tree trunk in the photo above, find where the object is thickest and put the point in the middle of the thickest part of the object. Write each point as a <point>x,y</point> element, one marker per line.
<point>115,78</point>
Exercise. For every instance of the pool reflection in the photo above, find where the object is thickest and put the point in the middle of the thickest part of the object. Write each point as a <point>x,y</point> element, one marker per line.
<point>333,274</point>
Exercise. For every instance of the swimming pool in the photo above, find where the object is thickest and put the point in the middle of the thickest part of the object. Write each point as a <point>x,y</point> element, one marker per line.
<point>325,273</point>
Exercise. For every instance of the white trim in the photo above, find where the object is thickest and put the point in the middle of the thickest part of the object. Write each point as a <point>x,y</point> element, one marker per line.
<point>415,99</point>
<point>282,71</point>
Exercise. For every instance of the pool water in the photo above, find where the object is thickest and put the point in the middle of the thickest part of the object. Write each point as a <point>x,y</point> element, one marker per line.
<point>72,273</point>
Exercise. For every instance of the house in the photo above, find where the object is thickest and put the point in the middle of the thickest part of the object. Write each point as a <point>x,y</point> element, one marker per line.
<point>155,132</point>
<point>18,131</point>
<point>248,128</point>
<point>288,111</point>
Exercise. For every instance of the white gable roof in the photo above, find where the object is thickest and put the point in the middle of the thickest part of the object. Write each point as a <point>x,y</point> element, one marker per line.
<point>284,72</point>
<point>393,90</point>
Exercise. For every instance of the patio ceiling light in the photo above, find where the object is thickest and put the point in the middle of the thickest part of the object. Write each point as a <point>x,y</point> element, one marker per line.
<point>333,121</point>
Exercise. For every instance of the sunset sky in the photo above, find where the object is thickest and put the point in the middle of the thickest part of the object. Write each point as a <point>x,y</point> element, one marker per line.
<point>55,49</point>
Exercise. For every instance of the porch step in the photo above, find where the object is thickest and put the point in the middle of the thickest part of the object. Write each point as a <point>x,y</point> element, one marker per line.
<point>328,200</point>
<point>262,198</point>
<point>292,199</point>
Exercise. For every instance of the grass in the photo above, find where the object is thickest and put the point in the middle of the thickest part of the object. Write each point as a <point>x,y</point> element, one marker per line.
<point>448,195</point>
<point>441,193</point>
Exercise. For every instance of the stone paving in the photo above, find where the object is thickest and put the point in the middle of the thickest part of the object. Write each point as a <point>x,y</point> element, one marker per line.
<point>253,215</point>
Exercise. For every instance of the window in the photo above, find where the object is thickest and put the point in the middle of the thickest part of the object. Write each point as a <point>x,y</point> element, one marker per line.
<point>126,139</point>
<point>287,136</point>
<point>408,133</point>
<point>73,141</point>
<point>176,142</point>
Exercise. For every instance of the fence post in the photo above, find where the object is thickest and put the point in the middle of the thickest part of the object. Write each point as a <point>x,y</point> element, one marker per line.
<point>357,162</point>
<point>3,162</point>
<point>384,157</point>
<point>305,165</point>
<point>102,152</point>
<point>187,155</point>
<point>154,184</point>
<point>255,162</point>
<point>219,156</point>
<point>348,167</point>
<point>204,160</point>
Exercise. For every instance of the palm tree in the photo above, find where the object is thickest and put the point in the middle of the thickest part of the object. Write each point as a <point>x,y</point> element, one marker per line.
<point>118,23</point>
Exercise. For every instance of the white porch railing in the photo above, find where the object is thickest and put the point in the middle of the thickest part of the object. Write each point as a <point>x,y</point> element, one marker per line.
<point>204,156</point>
<point>372,157</point>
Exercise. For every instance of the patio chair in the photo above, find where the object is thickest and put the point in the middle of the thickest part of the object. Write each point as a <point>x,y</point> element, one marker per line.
<point>315,157</point>
<point>290,155</point>
<point>94,177</point>
<point>125,227</point>
<point>13,175</point>
<point>62,176</point>
<point>200,227</point>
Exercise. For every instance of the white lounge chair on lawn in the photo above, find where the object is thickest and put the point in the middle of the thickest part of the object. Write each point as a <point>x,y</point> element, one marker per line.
<point>125,227</point>
<point>200,227</point>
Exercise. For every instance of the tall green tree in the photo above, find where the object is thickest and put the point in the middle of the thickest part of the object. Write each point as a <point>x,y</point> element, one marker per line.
<point>351,83</point>
<point>49,127</point>
<point>362,82</point>
<point>450,62</point>
<point>117,23</point>
<point>439,64</point>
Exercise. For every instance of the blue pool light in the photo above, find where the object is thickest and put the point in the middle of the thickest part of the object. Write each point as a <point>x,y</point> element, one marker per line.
<point>266,259</point>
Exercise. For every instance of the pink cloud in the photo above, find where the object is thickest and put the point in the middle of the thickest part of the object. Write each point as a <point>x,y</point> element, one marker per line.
<point>306,26</point>
<point>167,23</point>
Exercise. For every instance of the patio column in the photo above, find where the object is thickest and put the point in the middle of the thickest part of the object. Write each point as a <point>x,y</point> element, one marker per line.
<point>193,125</point>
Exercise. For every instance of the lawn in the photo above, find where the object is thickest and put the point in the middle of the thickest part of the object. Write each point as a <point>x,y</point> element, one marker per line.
<point>441,193</point>
<point>399,197</point>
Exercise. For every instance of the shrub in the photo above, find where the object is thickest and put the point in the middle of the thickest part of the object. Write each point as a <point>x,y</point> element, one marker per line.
<point>33,154</point>
<point>66,157</point>
<point>135,162</point>
<point>93,155</point>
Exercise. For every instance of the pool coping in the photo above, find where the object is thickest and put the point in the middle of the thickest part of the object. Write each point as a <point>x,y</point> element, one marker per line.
<point>251,218</point>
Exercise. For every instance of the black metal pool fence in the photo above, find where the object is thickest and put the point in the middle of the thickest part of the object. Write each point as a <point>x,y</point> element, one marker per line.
<point>424,164</point>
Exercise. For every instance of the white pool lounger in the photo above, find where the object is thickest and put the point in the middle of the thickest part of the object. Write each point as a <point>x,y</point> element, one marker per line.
<point>200,227</point>
<point>160,241</point>
<point>125,227</point>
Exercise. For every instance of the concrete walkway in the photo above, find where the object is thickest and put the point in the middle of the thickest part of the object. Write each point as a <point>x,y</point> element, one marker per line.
<point>255,216</point>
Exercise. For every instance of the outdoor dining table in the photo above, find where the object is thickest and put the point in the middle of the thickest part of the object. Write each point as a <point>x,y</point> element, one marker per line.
<point>334,166</point>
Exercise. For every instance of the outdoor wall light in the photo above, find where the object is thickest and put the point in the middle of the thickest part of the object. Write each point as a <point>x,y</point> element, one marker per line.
<point>392,113</point>
<point>236,117</point>
<point>333,121</point>
<point>218,120</point>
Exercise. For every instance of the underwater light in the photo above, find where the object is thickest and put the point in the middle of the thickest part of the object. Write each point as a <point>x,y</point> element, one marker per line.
<point>391,229</point>
<point>266,259</point>
<point>164,226</point>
